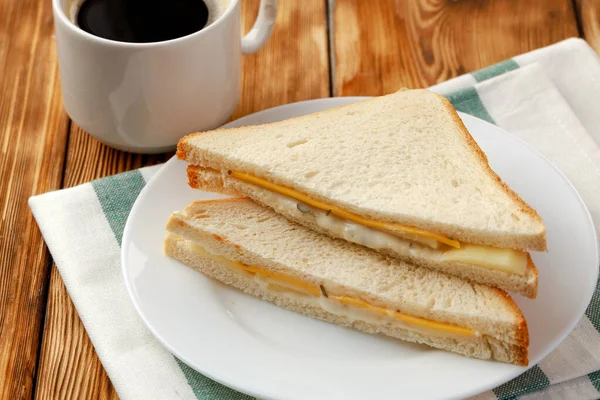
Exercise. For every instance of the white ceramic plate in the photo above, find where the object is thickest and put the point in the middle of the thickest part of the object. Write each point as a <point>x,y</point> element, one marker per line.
<point>259,349</point>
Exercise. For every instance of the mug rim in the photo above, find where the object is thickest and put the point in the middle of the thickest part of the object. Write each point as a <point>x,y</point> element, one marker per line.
<point>58,10</point>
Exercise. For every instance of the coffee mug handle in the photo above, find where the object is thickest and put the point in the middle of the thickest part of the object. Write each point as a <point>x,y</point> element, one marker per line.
<point>261,30</point>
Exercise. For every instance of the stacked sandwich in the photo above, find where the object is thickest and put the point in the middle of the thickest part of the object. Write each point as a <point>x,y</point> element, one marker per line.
<point>382,215</point>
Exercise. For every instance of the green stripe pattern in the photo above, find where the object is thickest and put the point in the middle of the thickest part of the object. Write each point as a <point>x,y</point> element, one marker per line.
<point>495,70</point>
<point>595,379</point>
<point>531,381</point>
<point>206,389</point>
<point>467,100</point>
<point>117,195</point>
<point>593,310</point>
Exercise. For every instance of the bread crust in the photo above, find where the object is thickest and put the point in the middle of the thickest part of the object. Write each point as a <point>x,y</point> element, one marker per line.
<point>187,152</point>
<point>210,180</point>
<point>522,331</point>
<point>541,245</point>
<point>183,146</point>
<point>179,224</point>
<point>484,346</point>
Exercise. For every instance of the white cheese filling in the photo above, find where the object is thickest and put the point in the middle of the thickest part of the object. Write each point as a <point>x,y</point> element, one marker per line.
<point>348,311</point>
<point>508,260</point>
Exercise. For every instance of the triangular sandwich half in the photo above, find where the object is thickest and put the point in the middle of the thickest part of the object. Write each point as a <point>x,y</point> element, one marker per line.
<point>264,254</point>
<point>398,173</point>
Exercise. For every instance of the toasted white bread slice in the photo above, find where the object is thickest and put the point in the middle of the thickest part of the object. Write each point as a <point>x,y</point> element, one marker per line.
<point>264,254</point>
<point>525,284</point>
<point>404,158</point>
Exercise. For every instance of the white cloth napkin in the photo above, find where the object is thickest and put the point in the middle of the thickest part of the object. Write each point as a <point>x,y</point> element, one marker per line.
<point>547,97</point>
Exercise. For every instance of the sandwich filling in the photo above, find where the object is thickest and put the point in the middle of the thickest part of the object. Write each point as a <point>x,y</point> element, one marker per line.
<point>350,307</point>
<point>375,234</point>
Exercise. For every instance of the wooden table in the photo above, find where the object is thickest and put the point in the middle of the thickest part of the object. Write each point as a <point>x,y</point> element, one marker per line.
<point>318,49</point>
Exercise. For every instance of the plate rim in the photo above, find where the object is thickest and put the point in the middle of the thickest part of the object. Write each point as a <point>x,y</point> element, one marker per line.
<point>335,101</point>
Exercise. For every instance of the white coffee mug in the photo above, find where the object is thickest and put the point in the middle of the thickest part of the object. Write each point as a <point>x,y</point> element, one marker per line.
<point>143,97</point>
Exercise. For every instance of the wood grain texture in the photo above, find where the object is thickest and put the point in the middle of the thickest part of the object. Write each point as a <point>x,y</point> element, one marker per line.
<point>279,73</point>
<point>33,131</point>
<point>73,371</point>
<point>68,364</point>
<point>293,65</point>
<point>89,159</point>
<point>588,12</point>
<point>383,45</point>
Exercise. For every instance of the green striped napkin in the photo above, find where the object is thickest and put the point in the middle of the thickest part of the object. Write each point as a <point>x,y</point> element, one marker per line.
<point>546,97</point>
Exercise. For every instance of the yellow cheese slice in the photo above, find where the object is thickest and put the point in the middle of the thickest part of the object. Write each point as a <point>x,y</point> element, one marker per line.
<point>388,226</point>
<point>306,287</point>
<point>281,277</point>
<point>404,317</point>
<point>254,270</point>
<point>508,260</point>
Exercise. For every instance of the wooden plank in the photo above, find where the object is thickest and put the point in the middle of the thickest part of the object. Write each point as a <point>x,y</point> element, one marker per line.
<point>73,370</point>
<point>293,65</point>
<point>384,45</point>
<point>279,73</point>
<point>89,159</point>
<point>33,132</point>
<point>588,12</point>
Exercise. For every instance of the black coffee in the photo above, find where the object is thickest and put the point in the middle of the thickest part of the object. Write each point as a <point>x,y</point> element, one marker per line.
<point>142,21</point>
